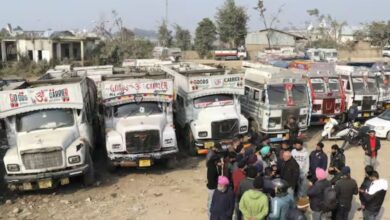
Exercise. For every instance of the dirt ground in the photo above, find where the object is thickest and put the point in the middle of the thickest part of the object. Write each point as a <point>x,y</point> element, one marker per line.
<point>155,193</point>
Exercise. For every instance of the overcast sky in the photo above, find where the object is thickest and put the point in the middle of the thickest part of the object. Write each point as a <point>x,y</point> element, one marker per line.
<point>147,14</point>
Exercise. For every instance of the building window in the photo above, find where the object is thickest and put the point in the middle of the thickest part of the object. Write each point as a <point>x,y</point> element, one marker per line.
<point>39,55</point>
<point>30,55</point>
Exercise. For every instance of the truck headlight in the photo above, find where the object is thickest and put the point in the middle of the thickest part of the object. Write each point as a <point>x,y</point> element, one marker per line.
<point>13,168</point>
<point>116,146</point>
<point>74,159</point>
<point>243,128</point>
<point>202,134</point>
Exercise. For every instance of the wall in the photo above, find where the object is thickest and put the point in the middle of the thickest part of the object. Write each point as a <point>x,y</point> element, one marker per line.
<point>277,39</point>
<point>359,52</point>
<point>36,45</point>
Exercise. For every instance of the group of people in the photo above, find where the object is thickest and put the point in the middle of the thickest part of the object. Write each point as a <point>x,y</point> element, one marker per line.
<point>254,180</point>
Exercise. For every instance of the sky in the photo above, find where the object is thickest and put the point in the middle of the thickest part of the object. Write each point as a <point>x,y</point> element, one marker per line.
<point>148,14</point>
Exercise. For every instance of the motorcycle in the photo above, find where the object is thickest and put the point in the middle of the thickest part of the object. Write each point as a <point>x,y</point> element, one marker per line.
<point>334,131</point>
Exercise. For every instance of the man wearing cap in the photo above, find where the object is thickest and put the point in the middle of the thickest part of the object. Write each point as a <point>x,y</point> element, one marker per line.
<point>254,204</point>
<point>371,145</point>
<point>345,188</point>
<point>316,194</point>
<point>267,156</point>
<point>222,205</point>
<point>318,159</point>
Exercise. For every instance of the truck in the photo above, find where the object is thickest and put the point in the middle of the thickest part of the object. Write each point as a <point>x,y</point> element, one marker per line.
<point>360,86</point>
<point>138,120</point>
<point>231,54</point>
<point>327,94</point>
<point>322,54</point>
<point>382,73</point>
<point>272,95</point>
<point>164,53</point>
<point>50,133</point>
<point>207,107</point>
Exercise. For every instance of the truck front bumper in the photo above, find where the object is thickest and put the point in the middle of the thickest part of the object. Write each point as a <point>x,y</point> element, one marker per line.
<point>31,181</point>
<point>203,146</point>
<point>137,160</point>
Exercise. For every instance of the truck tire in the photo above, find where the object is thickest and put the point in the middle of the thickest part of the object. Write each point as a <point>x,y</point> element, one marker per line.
<point>111,168</point>
<point>388,136</point>
<point>190,143</point>
<point>171,163</point>
<point>89,176</point>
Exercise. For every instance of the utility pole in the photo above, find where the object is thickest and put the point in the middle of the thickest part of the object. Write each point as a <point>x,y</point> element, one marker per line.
<point>166,12</point>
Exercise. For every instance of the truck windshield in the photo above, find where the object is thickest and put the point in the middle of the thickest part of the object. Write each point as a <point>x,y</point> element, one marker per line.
<point>44,119</point>
<point>276,95</point>
<point>361,84</point>
<point>299,94</point>
<point>383,82</point>
<point>318,85</point>
<point>213,101</point>
<point>138,109</point>
<point>334,85</point>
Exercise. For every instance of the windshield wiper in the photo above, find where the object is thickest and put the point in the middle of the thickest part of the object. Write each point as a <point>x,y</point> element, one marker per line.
<point>61,126</point>
<point>35,129</point>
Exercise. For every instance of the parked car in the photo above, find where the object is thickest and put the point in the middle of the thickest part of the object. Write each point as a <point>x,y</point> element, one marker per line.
<point>386,51</point>
<point>381,125</point>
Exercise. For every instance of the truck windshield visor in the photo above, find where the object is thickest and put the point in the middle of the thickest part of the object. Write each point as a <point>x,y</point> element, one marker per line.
<point>214,100</point>
<point>138,109</point>
<point>364,85</point>
<point>44,119</point>
<point>334,85</point>
<point>276,95</point>
<point>318,85</point>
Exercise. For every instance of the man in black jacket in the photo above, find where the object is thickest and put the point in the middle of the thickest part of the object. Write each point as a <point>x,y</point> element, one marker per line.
<point>353,112</point>
<point>289,171</point>
<point>214,169</point>
<point>365,185</point>
<point>374,197</point>
<point>345,188</point>
<point>371,145</point>
<point>293,129</point>
<point>318,159</point>
<point>316,194</point>
<point>337,160</point>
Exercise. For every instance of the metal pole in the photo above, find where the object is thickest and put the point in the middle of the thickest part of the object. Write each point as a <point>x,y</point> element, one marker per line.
<point>166,12</point>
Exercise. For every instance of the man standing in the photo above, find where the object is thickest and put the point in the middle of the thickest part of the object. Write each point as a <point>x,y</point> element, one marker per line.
<point>318,159</point>
<point>353,112</point>
<point>254,203</point>
<point>374,197</point>
<point>214,169</point>
<point>345,188</point>
<point>301,155</point>
<point>316,194</point>
<point>245,185</point>
<point>371,145</point>
<point>222,204</point>
<point>337,160</point>
<point>289,171</point>
<point>293,129</point>
<point>365,186</point>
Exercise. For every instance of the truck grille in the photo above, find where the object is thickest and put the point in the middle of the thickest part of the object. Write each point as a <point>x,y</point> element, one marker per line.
<point>42,160</point>
<point>286,113</point>
<point>143,141</point>
<point>328,106</point>
<point>224,129</point>
<point>367,102</point>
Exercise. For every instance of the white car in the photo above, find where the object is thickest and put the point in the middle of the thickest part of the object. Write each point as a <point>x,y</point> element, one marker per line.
<point>381,125</point>
<point>386,52</point>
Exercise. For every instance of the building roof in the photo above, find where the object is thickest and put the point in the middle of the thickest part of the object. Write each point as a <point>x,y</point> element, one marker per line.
<point>284,32</point>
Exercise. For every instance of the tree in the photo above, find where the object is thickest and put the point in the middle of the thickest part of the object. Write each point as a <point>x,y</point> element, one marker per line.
<point>164,35</point>
<point>274,19</point>
<point>182,38</point>
<point>379,33</point>
<point>205,36</point>
<point>232,23</point>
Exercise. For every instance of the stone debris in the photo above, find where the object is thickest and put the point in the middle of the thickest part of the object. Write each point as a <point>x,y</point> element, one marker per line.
<point>16,210</point>
<point>65,202</point>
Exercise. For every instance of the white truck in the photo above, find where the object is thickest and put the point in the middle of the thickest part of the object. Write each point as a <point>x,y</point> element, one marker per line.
<point>360,87</point>
<point>231,54</point>
<point>382,73</point>
<point>50,133</point>
<point>272,95</point>
<point>138,120</point>
<point>322,54</point>
<point>207,107</point>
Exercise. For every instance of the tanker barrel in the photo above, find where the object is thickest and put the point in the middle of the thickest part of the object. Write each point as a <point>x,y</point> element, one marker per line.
<point>201,71</point>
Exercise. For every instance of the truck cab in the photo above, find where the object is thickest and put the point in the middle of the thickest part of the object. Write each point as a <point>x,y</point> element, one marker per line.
<point>382,73</point>
<point>272,95</point>
<point>138,120</point>
<point>327,94</point>
<point>207,107</point>
<point>50,133</point>
<point>360,86</point>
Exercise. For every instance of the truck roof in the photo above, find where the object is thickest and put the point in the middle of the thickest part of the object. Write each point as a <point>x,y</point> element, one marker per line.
<point>353,70</point>
<point>130,88</point>
<point>46,94</point>
<point>320,69</point>
<point>197,80</point>
<point>266,74</point>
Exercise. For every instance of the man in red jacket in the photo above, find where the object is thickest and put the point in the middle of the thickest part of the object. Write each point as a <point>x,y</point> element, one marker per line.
<point>371,146</point>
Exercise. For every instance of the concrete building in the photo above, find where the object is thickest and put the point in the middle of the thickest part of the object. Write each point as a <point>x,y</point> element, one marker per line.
<point>257,41</point>
<point>38,46</point>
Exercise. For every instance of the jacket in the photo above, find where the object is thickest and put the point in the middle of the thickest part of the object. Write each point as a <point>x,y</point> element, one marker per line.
<point>245,185</point>
<point>237,176</point>
<point>212,175</point>
<point>337,160</point>
<point>302,158</point>
<point>289,171</point>
<point>345,189</point>
<point>295,214</point>
<point>318,159</point>
<point>280,206</point>
<point>293,131</point>
<point>364,186</point>
<point>367,146</point>
<point>375,195</point>
<point>268,186</point>
<point>254,204</point>
<point>222,205</point>
<point>316,194</point>
<point>352,113</point>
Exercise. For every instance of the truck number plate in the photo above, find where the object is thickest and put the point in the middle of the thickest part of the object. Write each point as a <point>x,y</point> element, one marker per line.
<point>145,163</point>
<point>387,105</point>
<point>208,145</point>
<point>366,114</point>
<point>45,184</point>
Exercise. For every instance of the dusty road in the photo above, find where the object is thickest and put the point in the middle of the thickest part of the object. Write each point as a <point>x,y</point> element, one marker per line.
<point>154,193</point>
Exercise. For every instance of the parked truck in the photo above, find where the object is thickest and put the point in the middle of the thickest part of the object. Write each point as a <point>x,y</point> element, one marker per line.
<point>231,54</point>
<point>360,86</point>
<point>272,95</point>
<point>138,120</point>
<point>327,94</point>
<point>207,107</point>
<point>50,133</point>
<point>382,73</point>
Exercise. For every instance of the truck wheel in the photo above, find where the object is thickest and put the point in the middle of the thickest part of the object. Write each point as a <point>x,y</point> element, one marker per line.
<point>190,144</point>
<point>171,163</point>
<point>388,136</point>
<point>111,168</point>
<point>89,176</point>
